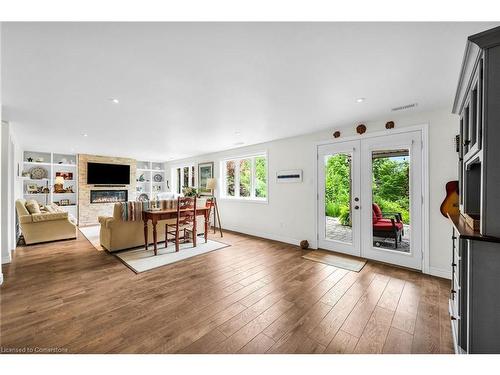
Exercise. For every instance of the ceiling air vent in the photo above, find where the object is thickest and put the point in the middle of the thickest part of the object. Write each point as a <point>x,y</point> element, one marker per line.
<point>403,107</point>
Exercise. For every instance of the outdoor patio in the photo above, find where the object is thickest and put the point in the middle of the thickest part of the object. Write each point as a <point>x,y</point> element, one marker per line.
<point>339,232</point>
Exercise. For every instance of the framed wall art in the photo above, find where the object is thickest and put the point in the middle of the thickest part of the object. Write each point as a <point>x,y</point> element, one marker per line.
<point>205,171</point>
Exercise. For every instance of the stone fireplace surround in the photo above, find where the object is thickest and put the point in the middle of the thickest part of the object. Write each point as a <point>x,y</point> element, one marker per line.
<point>89,212</point>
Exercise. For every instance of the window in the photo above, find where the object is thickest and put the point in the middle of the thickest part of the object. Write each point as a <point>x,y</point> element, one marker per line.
<point>245,178</point>
<point>184,177</point>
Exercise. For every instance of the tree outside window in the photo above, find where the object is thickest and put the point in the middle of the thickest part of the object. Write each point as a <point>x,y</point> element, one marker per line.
<point>245,178</point>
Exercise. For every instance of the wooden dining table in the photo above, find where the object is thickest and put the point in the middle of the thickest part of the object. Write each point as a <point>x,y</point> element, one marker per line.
<point>156,215</point>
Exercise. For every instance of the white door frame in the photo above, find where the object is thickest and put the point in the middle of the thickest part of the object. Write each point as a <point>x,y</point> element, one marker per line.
<point>424,128</point>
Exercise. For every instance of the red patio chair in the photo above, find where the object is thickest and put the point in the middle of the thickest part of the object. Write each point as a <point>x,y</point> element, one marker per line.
<point>386,226</point>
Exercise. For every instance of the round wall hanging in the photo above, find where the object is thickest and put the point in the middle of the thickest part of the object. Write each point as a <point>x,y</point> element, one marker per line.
<point>37,173</point>
<point>143,197</point>
<point>157,178</point>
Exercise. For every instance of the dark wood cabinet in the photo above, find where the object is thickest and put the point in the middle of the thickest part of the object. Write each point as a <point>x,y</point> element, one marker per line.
<point>474,296</point>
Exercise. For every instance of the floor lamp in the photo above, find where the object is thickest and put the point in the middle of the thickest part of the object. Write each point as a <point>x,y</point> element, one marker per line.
<point>212,185</point>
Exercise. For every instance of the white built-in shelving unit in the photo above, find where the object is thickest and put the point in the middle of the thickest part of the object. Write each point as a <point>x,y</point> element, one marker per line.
<point>53,163</point>
<point>151,178</point>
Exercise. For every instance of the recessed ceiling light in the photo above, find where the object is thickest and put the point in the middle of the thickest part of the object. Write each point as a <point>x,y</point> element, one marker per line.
<point>114,100</point>
<point>85,135</point>
<point>360,100</point>
<point>238,143</point>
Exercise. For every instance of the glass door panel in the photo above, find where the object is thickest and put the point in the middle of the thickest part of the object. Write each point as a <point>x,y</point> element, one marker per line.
<point>338,197</point>
<point>391,199</point>
<point>338,182</point>
<point>391,178</point>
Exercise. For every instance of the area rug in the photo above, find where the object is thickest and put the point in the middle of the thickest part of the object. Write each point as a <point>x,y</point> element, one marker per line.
<point>337,260</point>
<point>140,260</point>
<point>91,233</point>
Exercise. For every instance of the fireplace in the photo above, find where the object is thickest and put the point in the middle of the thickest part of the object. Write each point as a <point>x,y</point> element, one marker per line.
<point>108,196</point>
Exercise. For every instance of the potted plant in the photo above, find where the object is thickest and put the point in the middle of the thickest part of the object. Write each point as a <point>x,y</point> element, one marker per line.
<point>190,192</point>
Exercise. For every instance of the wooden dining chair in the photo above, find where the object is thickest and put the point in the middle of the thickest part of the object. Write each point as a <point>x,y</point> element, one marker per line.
<point>185,222</point>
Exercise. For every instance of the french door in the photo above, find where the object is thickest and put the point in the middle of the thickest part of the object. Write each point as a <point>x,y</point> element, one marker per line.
<point>370,198</point>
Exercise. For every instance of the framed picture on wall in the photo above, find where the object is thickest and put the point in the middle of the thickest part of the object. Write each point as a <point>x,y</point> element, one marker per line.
<point>65,175</point>
<point>205,171</point>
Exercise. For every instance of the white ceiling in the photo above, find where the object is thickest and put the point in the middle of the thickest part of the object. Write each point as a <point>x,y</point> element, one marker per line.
<point>189,88</point>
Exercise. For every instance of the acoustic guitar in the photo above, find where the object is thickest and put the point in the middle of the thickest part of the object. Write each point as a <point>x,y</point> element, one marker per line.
<point>450,203</point>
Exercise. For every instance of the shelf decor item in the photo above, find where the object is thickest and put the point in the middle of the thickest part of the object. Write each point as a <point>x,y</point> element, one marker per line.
<point>31,188</point>
<point>64,202</point>
<point>389,125</point>
<point>336,134</point>
<point>143,198</point>
<point>65,175</point>
<point>158,178</point>
<point>472,220</point>
<point>37,173</point>
<point>59,184</point>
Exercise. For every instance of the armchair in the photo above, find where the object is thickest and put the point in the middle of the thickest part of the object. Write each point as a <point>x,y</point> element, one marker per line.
<point>386,226</point>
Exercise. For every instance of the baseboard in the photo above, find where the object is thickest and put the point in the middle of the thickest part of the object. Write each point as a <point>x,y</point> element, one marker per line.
<point>268,236</point>
<point>440,272</point>
<point>6,260</point>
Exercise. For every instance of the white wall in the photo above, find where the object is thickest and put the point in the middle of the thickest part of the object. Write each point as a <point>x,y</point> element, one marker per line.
<point>290,214</point>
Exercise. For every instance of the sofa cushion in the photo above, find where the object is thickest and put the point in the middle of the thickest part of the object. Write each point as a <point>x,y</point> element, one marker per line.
<point>49,208</point>
<point>386,225</point>
<point>49,216</point>
<point>377,211</point>
<point>33,206</point>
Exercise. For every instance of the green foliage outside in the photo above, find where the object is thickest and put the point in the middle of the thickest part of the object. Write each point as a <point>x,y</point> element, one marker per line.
<point>260,177</point>
<point>245,176</point>
<point>390,186</point>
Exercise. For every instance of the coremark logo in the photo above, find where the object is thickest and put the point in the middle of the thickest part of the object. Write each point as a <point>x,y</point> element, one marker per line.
<point>31,349</point>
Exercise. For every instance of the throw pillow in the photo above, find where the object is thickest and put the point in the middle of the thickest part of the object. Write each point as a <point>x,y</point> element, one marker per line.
<point>49,208</point>
<point>33,207</point>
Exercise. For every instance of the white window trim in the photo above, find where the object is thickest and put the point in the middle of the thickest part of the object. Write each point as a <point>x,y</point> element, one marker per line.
<point>237,198</point>
<point>173,173</point>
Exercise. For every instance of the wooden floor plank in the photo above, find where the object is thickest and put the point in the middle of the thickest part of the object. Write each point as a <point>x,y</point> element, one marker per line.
<point>259,344</point>
<point>254,296</point>
<point>359,316</point>
<point>373,338</point>
<point>342,343</point>
<point>397,342</point>
<point>406,311</point>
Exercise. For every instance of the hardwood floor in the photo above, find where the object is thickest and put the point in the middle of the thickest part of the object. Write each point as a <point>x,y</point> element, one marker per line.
<point>256,296</point>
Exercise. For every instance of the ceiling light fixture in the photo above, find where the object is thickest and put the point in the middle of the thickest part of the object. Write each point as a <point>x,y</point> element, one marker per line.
<point>114,100</point>
<point>360,100</point>
<point>85,135</point>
